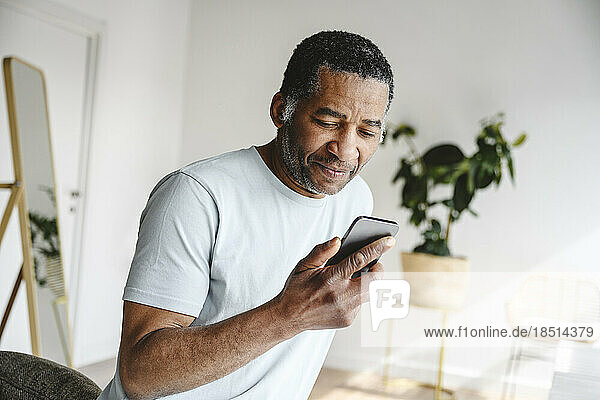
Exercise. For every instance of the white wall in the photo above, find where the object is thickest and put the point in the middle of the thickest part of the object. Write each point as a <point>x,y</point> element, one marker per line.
<point>454,63</point>
<point>136,139</point>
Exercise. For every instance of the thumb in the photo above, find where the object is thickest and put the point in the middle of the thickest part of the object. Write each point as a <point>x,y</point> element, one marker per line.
<point>319,254</point>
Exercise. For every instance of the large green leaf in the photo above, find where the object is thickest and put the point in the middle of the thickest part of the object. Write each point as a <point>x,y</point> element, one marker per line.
<point>482,177</point>
<point>441,174</point>
<point>489,159</point>
<point>462,197</point>
<point>417,216</point>
<point>414,191</point>
<point>474,165</point>
<point>405,171</point>
<point>444,154</point>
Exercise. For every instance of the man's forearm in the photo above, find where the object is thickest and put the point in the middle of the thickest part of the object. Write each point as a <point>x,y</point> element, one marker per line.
<point>174,360</point>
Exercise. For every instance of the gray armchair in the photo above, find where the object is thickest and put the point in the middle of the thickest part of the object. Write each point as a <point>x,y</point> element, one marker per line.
<point>27,377</point>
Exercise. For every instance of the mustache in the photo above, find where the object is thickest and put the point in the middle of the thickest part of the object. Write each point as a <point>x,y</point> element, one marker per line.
<point>334,163</point>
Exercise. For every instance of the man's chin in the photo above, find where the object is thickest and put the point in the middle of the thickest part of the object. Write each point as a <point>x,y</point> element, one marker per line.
<point>328,188</point>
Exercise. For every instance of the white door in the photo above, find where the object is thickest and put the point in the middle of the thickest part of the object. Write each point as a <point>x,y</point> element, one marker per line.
<point>61,55</point>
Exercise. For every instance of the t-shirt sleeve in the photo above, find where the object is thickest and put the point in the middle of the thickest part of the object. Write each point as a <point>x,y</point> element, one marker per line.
<point>171,265</point>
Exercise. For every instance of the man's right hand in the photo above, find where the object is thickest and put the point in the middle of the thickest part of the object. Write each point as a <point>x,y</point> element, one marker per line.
<point>316,297</point>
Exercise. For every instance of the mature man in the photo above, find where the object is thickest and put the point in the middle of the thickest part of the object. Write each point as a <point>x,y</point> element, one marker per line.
<point>225,298</point>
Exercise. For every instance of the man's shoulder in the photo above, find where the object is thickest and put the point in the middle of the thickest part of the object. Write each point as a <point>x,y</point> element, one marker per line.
<point>209,175</point>
<point>228,164</point>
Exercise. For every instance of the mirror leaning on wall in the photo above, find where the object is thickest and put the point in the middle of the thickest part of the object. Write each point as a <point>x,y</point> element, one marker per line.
<point>32,196</point>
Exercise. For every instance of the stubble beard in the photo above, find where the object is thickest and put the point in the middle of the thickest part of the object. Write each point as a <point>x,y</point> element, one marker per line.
<point>293,162</point>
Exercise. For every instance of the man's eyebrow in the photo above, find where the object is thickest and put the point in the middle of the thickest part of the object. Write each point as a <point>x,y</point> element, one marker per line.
<point>371,122</point>
<point>335,114</point>
<point>330,112</point>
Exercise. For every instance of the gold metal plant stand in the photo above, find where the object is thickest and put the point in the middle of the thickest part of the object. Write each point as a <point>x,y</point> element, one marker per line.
<point>26,272</point>
<point>439,392</point>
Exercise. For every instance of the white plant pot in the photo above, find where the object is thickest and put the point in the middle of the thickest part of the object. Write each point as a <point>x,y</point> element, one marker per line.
<point>436,282</point>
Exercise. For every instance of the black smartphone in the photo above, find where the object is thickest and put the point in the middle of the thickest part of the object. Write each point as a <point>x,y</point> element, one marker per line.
<point>363,230</point>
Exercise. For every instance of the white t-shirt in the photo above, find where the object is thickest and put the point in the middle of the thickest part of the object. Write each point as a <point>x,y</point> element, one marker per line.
<point>219,237</point>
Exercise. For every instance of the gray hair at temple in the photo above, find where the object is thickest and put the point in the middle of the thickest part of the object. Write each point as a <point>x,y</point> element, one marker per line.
<point>339,52</point>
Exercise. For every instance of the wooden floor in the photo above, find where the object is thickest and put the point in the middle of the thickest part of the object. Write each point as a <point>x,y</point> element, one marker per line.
<point>332,384</point>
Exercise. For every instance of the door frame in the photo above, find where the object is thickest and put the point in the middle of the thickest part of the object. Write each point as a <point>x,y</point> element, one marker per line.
<point>92,30</point>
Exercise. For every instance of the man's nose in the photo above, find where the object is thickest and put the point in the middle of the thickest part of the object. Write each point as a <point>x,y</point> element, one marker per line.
<point>344,146</point>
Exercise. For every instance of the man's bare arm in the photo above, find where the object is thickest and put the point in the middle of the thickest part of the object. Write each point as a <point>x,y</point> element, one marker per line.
<point>161,354</point>
<point>179,357</point>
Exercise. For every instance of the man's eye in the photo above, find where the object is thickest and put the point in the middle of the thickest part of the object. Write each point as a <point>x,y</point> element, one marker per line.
<point>368,133</point>
<point>326,124</point>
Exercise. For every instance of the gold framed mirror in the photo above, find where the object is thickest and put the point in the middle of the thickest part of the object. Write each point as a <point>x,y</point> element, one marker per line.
<point>33,194</point>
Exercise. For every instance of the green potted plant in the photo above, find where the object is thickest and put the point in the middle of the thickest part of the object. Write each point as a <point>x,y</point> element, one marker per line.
<point>446,165</point>
<point>44,239</point>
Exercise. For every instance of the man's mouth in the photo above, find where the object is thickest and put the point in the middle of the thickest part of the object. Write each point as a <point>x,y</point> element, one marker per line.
<point>332,172</point>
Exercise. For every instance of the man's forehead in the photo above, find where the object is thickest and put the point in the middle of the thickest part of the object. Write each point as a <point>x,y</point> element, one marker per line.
<point>351,82</point>
<point>338,90</point>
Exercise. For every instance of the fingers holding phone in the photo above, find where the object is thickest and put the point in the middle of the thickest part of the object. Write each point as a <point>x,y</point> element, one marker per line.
<point>316,297</point>
<point>319,255</point>
<point>362,267</point>
<point>363,258</point>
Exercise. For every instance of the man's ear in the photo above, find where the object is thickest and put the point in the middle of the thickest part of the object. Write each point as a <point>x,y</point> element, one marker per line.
<point>276,110</point>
